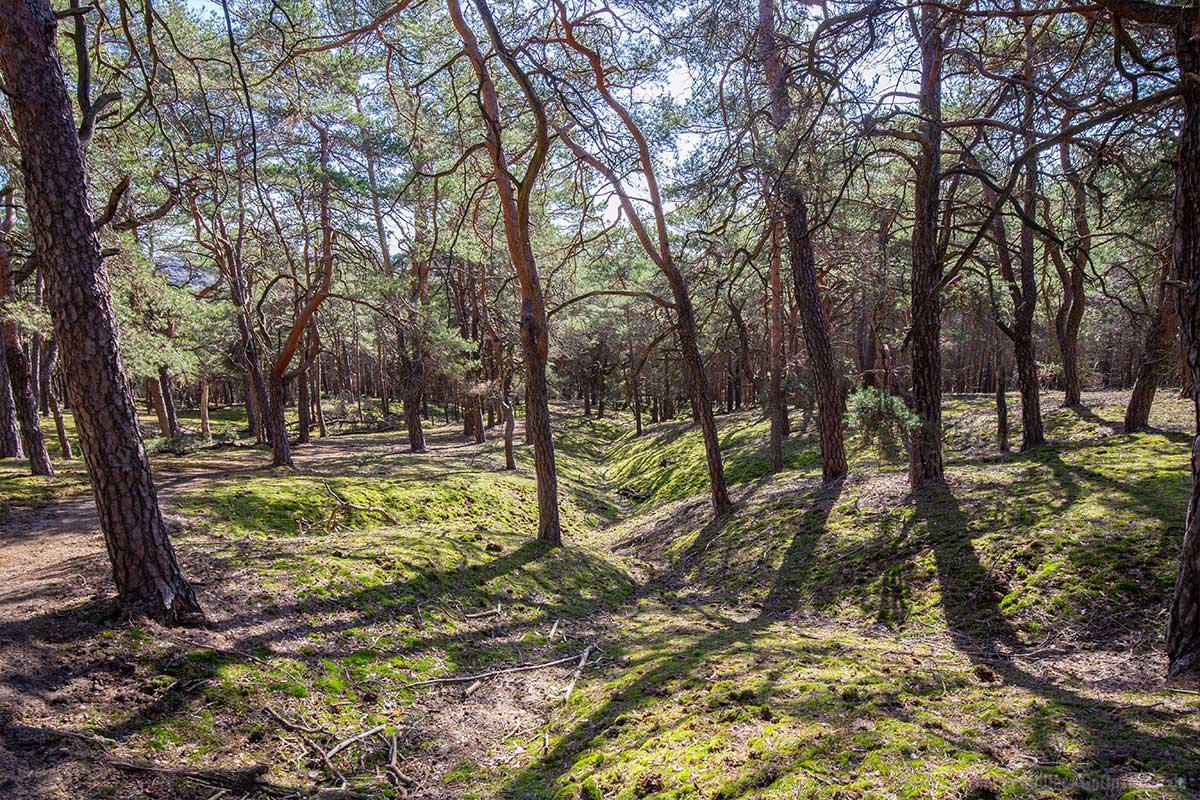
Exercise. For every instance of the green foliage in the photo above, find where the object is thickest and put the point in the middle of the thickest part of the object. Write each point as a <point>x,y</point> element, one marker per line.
<point>883,418</point>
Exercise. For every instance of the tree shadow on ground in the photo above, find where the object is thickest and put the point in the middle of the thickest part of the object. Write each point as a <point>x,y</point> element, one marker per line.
<point>1114,735</point>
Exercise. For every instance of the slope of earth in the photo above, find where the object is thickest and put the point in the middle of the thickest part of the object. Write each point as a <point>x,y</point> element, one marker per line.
<point>1000,638</point>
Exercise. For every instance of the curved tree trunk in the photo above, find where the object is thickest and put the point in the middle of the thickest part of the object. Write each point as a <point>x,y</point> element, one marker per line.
<point>144,567</point>
<point>155,398</point>
<point>514,203</point>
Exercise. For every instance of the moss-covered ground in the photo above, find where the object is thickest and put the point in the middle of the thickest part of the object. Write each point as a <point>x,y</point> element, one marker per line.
<point>998,638</point>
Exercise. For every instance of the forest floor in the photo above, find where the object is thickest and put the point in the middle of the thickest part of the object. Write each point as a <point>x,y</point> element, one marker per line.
<point>998,638</point>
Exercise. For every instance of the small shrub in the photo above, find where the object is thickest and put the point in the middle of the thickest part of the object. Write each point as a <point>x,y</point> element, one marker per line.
<point>883,418</point>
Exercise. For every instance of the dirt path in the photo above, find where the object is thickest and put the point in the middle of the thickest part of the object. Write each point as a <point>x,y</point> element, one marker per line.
<point>57,667</point>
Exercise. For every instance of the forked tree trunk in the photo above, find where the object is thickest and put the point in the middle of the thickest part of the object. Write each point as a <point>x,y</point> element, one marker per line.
<point>1154,359</point>
<point>1071,306</point>
<point>514,203</point>
<point>1183,626</point>
<point>144,567</point>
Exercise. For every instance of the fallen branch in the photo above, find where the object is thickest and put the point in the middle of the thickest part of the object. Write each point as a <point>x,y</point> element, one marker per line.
<point>345,505</point>
<point>342,745</point>
<point>578,671</point>
<point>32,732</point>
<point>493,673</point>
<point>482,614</point>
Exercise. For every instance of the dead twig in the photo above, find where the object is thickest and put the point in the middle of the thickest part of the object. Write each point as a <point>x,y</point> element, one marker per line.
<point>492,673</point>
<point>344,505</point>
<point>342,745</point>
<point>578,671</point>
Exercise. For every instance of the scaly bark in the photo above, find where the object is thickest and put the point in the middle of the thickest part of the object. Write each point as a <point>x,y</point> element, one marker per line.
<point>77,290</point>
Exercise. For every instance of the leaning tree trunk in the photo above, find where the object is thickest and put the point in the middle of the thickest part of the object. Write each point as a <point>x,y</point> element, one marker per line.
<point>1154,359</point>
<point>77,289</point>
<point>685,321</point>
<point>826,381</point>
<point>154,396</point>
<point>1183,626</point>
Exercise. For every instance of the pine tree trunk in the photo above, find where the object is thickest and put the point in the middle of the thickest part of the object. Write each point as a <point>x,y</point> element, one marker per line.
<point>168,400</point>
<point>281,446</point>
<point>32,441</point>
<point>826,380</point>
<point>776,407</point>
<point>510,426</point>
<point>144,567</point>
<point>46,372</point>
<point>205,426</point>
<point>637,405</point>
<point>536,345</point>
<point>10,442</point>
<point>64,442</point>
<point>1032,433</point>
<point>155,398</point>
<point>1183,626</point>
<point>1154,359</point>
<point>698,387</point>
<point>303,408</point>
<point>1001,410</point>
<point>925,448</point>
